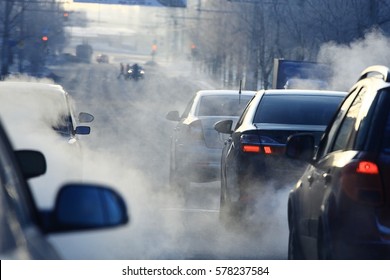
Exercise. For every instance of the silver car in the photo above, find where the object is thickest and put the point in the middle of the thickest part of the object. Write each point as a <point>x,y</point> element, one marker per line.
<point>195,144</point>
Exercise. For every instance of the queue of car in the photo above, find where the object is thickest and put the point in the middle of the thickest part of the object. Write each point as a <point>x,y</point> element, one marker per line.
<point>331,148</point>
<point>340,207</point>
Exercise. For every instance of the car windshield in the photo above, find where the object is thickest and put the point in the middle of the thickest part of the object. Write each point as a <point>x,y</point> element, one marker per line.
<point>222,105</point>
<point>308,110</point>
<point>64,126</point>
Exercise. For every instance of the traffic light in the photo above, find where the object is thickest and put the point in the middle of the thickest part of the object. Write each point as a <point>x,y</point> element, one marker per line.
<point>45,40</point>
<point>66,16</point>
<point>154,48</point>
<point>194,50</point>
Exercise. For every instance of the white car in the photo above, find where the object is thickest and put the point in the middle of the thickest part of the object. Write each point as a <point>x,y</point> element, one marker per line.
<point>41,116</point>
<point>25,229</point>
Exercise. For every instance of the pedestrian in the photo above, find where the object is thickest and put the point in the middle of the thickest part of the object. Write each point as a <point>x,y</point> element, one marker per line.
<point>122,70</point>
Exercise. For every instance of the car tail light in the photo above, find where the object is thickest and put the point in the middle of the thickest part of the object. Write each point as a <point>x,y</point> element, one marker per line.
<point>252,143</point>
<point>251,149</point>
<point>361,181</point>
<point>366,167</point>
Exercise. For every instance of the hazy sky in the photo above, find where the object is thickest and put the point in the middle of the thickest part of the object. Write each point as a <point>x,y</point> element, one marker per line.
<point>123,14</point>
<point>116,14</point>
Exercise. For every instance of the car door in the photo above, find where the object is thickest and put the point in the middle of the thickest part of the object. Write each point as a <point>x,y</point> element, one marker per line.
<point>338,151</point>
<point>179,135</point>
<point>230,155</point>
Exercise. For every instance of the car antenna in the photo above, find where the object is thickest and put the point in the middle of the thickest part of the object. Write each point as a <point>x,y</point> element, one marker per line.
<point>239,93</point>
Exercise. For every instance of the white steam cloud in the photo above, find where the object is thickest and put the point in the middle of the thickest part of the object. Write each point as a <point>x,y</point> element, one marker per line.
<point>348,61</point>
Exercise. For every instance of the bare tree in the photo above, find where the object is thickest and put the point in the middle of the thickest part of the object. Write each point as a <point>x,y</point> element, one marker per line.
<point>246,35</point>
<point>30,29</point>
<point>9,13</point>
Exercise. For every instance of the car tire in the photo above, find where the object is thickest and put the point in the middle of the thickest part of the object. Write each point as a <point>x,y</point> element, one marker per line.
<point>294,246</point>
<point>324,247</point>
<point>224,211</point>
<point>228,215</point>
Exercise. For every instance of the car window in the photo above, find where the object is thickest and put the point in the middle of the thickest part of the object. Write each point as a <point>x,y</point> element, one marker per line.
<point>371,98</point>
<point>348,126</point>
<point>222,105</point>
<point>293,109</point>
<point>64,127</point>
<point>386,134</point>
<point>188,108</point>
<point>242,117</point>
<point>386,138</point>
<point>329,135</point>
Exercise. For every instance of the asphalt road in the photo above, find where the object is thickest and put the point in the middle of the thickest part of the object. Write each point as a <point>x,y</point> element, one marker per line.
<point>129,149</point>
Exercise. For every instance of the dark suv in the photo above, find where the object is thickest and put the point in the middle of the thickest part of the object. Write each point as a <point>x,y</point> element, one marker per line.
<point>340,208</point>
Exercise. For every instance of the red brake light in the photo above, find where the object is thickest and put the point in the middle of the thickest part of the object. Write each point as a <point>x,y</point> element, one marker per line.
<point>366,167</point>
<point>251,149</point>
<point>254,143</point>
<point>267,150</point>
<point>360,180</point>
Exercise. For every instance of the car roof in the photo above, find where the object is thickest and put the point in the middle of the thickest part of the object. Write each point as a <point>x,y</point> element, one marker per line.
<point>27,107</point>
<point>22,85</point>
<point>225,92</point>
<point>302,92</point>
<point>54,94</point>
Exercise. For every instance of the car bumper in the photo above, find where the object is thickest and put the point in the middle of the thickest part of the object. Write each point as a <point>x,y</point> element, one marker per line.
<point>363,249</point>
<point>361,232</point>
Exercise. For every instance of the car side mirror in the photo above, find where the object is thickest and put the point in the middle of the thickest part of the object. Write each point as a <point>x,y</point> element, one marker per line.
<point>85,117</point>
<point>86,206</point>
<point>32,163</point>
<point>83,130</point>
<point>224,126</point>
<point>173,116</point>
<point>300,146</point>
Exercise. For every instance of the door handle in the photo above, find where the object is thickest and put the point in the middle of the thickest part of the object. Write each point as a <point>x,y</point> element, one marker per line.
<point>310,179</point>
<point>327,178</point>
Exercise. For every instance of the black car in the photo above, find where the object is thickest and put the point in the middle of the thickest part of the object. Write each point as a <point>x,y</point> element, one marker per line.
<point>253,157</point>
<point>24,227</point>
<point>340,207</point>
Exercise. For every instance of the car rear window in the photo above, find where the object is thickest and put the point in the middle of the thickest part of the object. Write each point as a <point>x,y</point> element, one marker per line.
<point>293,109</point>
<point>222,105</point>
